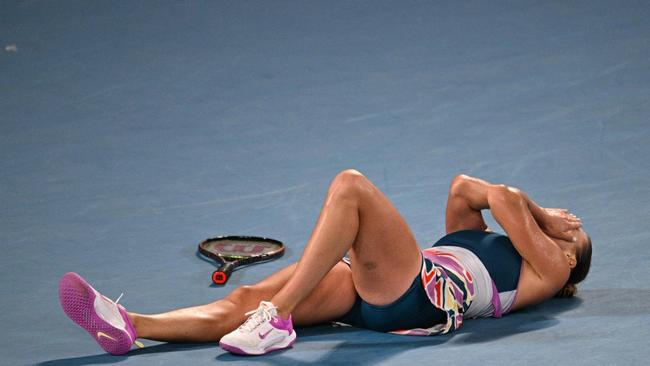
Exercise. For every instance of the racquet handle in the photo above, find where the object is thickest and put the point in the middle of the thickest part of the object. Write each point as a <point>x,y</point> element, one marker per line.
<point>222,275</point>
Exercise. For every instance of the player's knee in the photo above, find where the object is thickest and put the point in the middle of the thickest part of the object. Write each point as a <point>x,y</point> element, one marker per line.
<point>349,183</point>
<point>241,295</point>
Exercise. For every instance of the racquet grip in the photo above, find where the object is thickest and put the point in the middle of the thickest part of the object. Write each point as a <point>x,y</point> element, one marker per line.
<point>222,275</point>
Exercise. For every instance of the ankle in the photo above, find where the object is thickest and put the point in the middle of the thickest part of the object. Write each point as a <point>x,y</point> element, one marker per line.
<point>135,320</point>
<point>283,308</point>
<point>282,311</point>
<point>284,315</point>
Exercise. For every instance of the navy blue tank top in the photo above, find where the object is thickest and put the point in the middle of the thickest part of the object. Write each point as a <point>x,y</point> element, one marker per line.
<point>496,251</point>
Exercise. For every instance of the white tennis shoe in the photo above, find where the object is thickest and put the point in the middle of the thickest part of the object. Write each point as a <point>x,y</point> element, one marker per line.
<point>263,332</point>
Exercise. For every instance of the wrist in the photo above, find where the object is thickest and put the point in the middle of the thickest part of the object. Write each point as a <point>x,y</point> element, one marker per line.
<point>538,212</point>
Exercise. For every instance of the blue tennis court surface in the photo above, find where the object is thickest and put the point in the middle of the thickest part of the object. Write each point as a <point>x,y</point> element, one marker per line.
<point>130,131</point>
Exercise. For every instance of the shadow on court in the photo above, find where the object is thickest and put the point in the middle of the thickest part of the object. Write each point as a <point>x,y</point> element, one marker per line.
<point>364,347</point>
<point>526,320</point>
<point>355,346</point>
<point>106,358</point>
<point>609,302</point>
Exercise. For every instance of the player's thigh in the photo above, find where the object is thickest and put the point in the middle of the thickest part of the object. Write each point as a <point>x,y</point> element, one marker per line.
<point>332,297</point>
<point>330,300</point>
<point>385,256</point>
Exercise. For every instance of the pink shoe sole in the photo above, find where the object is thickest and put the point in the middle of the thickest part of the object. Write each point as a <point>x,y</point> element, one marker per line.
<point>77,299</point>
<point>239,351</point>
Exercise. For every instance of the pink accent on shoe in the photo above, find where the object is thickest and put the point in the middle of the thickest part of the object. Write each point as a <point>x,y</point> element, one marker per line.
<point>239,351</point>
<point>283,324</point>
<point>129,325</point>
<point>77,299</point>
<point>233,349</point>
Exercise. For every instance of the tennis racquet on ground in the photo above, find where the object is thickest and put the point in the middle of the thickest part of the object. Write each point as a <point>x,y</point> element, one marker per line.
<point>235,251</point>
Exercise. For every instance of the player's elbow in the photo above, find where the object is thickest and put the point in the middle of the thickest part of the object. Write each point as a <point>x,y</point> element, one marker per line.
<point>459,184</point>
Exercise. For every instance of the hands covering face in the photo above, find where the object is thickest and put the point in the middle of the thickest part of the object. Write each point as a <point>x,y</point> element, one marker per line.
<point>559,223</point>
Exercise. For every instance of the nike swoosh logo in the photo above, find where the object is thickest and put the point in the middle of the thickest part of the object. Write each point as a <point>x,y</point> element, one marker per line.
<point>262,336</point>
<point>102,334</point>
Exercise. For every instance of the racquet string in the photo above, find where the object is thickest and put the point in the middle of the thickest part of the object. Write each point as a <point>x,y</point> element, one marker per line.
<point>241,249</point>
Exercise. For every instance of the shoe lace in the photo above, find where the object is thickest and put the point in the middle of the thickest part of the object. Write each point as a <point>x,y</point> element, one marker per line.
<point>258,316</point>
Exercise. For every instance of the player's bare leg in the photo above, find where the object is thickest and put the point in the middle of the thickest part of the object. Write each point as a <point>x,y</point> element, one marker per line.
<point>332,298</point>
<point>356,216</point>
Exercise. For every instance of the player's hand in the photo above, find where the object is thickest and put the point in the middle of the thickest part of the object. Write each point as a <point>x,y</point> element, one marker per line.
<point>560,223</point>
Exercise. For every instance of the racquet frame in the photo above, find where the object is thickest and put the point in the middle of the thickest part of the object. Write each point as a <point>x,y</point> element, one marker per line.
<point>228,263</point>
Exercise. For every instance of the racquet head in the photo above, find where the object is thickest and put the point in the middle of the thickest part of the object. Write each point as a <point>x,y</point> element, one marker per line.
<point>235,251</point>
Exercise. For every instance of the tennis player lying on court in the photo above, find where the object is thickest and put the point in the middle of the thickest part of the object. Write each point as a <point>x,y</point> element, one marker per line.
<point>388,284</point>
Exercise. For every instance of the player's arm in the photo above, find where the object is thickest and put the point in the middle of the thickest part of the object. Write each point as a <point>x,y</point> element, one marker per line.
<point>468,196</point>
<point>511,210</point>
